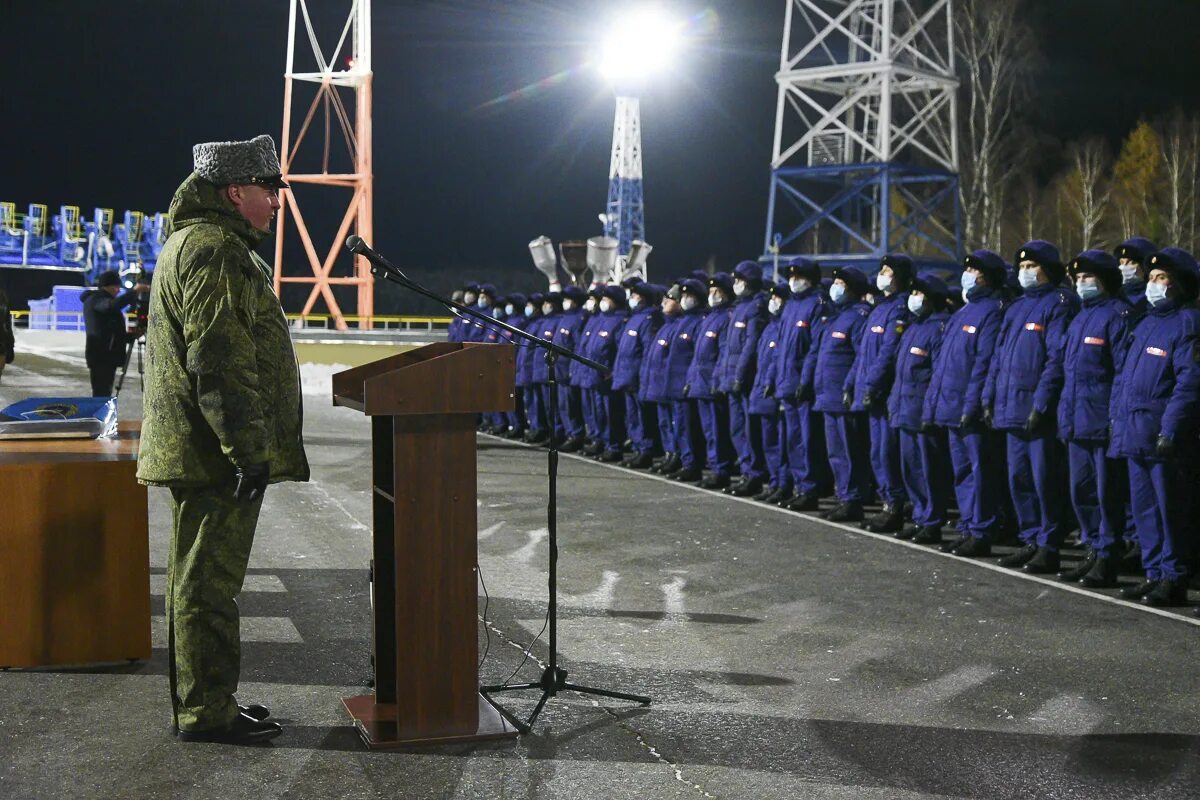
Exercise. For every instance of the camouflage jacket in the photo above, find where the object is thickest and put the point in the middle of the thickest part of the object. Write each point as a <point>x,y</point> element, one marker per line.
<point>6,331</point>
<point>222,383</point>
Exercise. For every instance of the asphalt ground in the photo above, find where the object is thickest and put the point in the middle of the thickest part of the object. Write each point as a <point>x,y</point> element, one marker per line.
<point>787,657</point>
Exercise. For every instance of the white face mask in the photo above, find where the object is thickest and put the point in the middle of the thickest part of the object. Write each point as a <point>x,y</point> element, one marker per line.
<point>716,298</point>
<point>606,304</point>
<point>634,302</point>
<point>590,305</point>
<point>1028,278</point>
<point>529,311</point>
<point>509,309</point>
<point>688,302</point>
<point>485,301</point>
<point>1087,289</point>
<point>547,309</point>
<point>968,283</point>
<point>916,302</point>
<point>568,305</point>
<point>798,285</point>
<point>883,282</point>
<point>1129,273</point>
<point>469,299</point>
<point>628,294</point>
<point>1156,293</point>
<point>837,292</point>
<point>740,288</point>
<point>775,305</point>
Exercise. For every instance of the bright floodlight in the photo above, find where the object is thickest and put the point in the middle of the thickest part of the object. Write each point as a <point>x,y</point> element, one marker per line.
<point>640,44</point>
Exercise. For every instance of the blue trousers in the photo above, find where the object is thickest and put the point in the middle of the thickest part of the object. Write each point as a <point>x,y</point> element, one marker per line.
<point>570,410</point>
<point>1160,496</point>
<point>608,414</point>
<point>849,455</point>
<point>587,408</point>
<point>535,409</point>
<point>924,469</point>
<point>641,422</point>
<point>804,443</point>
<point>544,391</point>
<point>1099,494</point>
<point>771,442</point>
<point>1035,472</point>
<point>714,422</point>
<point>745,436</point>
<point>975,487</point>
<point>515,419</point>
<point>885,459</point>
<point>689,438</point>
<point>666,425</point>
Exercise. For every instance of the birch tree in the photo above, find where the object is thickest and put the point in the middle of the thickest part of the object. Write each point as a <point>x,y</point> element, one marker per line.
<point>1179,171</point>
<point>1086,188</point>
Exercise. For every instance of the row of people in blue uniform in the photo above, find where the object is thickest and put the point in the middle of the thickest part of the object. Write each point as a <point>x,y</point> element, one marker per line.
<point>1037,395</point>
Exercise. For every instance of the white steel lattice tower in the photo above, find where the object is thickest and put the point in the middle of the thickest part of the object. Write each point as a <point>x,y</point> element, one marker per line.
<point>865,157</point>
<point>352,172</point>
<point>625,218</point>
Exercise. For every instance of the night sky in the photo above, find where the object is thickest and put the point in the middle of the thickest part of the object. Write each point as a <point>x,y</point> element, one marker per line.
<point>103,101</point>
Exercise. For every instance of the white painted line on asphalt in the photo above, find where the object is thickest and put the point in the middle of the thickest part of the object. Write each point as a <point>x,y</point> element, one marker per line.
<point>933,551</point>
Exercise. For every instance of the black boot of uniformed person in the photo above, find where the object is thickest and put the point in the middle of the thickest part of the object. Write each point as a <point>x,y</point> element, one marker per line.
<point>805,501</point>
<point>593,448</point>
<point>928,534</point>
<point>244,729</point>
<point>610,456</point>
<point>669,463</point>
<point>715,480</point>
<point>734,483</point>
<point>1076,573</point>
<point>974,547</point>
<point>777,494</point>
<point>1166,594</point>
<point>953,545</point>
<point>1103,573</point>
<point>1020,558</point>
<point>746,487</point>
<point>907,532</point>
<point>638,461</point>
<point>889,520</point>
<point>1140,590</point>
<point>1044,562</point>
<point>686,474</point>
<point>571,445</point>
<point>844,512</point>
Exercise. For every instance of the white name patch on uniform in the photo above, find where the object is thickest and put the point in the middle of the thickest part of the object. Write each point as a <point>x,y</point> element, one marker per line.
<point>1156,351</point>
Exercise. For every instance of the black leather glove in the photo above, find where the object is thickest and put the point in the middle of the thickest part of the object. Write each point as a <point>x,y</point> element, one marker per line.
<point>987,416</point>
<point>868,400</point>
<point>1034,423</point>
<point>251,481</point>
<point>1164,447</point>
<point>687,389</point>
<point>969,421</point>
<point>847,399</point>
<point>928,427</point>
<point>805,394</point>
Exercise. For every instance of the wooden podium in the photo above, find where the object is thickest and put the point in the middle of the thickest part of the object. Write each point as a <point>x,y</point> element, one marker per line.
<point>423,406</point>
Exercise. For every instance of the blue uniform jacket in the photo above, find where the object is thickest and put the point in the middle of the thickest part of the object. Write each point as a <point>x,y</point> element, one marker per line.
<point>632,345</point>
<point>701,374</point>
<point>762,395</point>
<point>1026,372</point>
<point>916,354</point>
<point>545,328</point>
<point>583,346</point>
<point>838,338</point>
<point>654,374</point>
<point>566,335</point>
<point>526,352</point>
<point>800,316</point>
<point>1157,391</point>
<point>1093,343</point>
<point>669,358</point>
<point>875,362</point>
<point>961,368</point>
<point>456,329</point>
<point>601,345</point>
<point>739,352</point>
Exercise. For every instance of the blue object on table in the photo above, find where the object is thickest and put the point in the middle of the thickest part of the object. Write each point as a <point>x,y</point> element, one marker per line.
<point>59,417</point>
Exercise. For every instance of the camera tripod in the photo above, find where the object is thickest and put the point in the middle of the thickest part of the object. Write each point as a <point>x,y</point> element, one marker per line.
<point>140,343</point>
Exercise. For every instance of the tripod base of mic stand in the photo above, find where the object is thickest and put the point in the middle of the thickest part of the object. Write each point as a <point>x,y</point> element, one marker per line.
<point>553,681</point>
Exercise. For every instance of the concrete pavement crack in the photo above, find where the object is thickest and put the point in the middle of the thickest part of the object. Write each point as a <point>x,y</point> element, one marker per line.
<point>654,752</point>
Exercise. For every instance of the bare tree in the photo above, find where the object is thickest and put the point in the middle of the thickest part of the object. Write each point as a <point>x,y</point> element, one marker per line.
<point>1179,168</point>
<point>1086,188</point>
<point>996,52</point>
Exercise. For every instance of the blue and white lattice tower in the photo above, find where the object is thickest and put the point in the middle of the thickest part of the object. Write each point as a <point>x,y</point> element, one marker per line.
<point>865,158</point>
<point>625,216</point>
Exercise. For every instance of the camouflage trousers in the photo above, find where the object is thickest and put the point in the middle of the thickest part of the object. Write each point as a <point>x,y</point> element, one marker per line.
<point>210,549</point>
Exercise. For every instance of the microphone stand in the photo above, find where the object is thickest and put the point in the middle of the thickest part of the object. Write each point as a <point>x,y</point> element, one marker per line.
<point>553,679</point>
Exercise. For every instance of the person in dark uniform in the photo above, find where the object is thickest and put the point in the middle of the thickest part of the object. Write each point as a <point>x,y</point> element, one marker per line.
<point>763,404</point>
<point>107,332</point>
<point>1155,415</point>
<point>7,340</point>
<point>702,388</point>
<point>1099,486</point>
<point>1132,255</point>
<point>608,407</point>
<point>570,404</point>
<point>539,371</point>
<point>638,335</point>
<point>654,379</point>
<point>734,375</point>
<point>581,380</point>
<point>533,418</point>
<point>681,352</point>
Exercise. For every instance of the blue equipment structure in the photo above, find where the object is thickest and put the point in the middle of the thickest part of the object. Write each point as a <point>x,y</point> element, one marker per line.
<point>625,215</point>
<point>865,155</point>
<point>65,242</point>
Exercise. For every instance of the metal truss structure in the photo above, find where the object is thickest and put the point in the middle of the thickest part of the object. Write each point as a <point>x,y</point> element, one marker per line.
<point>332,84</point>
<point>625,216</point>
<point>865,156</point>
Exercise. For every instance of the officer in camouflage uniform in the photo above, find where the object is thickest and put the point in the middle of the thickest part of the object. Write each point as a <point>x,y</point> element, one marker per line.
<point>222,420</point>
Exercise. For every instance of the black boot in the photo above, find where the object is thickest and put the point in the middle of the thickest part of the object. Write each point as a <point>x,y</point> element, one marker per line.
<point>715,480</point>
<point>610,456</point>
<point>767,490</point>
<point>1103,573</point>
<point>244,729</point>
<point>929,534</point>
<point>805,501</point>
<point>974,547</point>
<point>889,520</point>
<point>1075,573</point>
<point>908,532</point>
<point>571,445</point>
<point>1044,562</point>
<point>746,487</point>
<point>686,474</point>
<point>953,545</point>
<point>669,464</point>
<point>1167,594</point>
<point>844,512</point>
<point>1020,558</point>
<point>639,461</point>
<point>735,483</point>
<point>1137,591</point>
<point>593,448</point>
<point>536,437</point>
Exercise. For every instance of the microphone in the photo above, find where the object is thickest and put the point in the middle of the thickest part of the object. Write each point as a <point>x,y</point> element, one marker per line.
<point>355,244</point>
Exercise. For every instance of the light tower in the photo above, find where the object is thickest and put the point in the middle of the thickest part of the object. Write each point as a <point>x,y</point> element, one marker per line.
<point>639,44</point>
<point>354,173</point>
<point>865,158</point>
